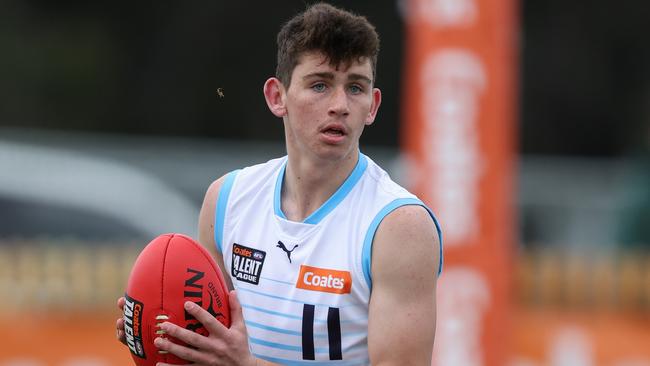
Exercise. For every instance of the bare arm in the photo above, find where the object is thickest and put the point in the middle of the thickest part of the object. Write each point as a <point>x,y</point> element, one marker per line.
<point>206,226</point>
<point>402,315</point>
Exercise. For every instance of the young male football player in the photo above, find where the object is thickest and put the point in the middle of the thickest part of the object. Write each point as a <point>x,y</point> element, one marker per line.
<point>331,262</point>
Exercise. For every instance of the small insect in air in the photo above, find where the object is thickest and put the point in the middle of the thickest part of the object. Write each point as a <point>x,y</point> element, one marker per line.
<point>220,92</point>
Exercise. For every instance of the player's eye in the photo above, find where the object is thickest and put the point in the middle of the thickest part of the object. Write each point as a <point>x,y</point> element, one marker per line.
<point>318,87</point>
<point>356,89</point>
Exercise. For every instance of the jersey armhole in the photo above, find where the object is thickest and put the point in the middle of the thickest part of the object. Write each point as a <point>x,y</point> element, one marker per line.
<point>366,252</point>
<point>220,208</point>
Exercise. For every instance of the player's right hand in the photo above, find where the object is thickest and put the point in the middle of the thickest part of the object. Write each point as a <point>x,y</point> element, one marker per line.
<point>119,324</point>
<point>222,346</point>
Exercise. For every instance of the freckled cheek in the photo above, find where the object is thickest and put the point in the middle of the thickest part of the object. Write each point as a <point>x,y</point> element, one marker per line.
<point>301,104</point>
<point>308,112</point>
<point>308,105</point>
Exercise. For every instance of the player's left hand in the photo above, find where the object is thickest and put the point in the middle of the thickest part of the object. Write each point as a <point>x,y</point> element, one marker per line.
<point>224,346</point>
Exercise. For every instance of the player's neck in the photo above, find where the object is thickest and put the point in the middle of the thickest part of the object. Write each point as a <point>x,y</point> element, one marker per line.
<point>309,183</point>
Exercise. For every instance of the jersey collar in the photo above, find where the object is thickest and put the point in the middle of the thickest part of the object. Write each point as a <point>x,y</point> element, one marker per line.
<point>332,202</point>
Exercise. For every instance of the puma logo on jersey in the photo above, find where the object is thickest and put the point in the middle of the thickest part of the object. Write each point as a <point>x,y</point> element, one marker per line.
<point>284,248</point>
<point>324,280</point>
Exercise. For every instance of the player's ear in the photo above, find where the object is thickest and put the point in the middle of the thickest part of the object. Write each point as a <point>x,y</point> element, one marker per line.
<point>374,107</point>
<point>274,93</point>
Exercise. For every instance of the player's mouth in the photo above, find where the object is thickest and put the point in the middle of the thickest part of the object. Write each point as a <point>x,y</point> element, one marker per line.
<point>333,133</point>
<point>335,129</point>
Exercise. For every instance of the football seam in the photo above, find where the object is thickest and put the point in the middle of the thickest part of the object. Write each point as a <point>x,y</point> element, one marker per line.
<point>162,283</point>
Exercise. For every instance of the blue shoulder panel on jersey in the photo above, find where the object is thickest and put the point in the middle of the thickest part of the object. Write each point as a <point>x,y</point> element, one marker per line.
<point>341,193</point>
<point>332,202</point>
<point>222,202</point>
<point>366,253</point>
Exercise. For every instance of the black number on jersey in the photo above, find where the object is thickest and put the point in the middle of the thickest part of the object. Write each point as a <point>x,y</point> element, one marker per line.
<point>333,333</point>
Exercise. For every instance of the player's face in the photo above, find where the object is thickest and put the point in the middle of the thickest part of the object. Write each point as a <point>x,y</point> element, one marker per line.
<point>327,108</point>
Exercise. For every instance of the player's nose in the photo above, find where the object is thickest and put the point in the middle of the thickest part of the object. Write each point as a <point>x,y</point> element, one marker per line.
<point>339,102</point>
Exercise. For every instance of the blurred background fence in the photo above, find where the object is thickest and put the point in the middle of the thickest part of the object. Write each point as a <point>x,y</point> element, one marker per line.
<point>60,275</point>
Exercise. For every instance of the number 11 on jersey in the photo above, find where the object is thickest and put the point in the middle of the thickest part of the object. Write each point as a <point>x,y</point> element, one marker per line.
<point>333,333</point>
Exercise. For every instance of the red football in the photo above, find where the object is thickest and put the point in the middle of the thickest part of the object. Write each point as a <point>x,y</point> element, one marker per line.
<point>170,270</point>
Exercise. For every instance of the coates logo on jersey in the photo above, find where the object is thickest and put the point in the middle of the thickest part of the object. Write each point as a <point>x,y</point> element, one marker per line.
<point>247,263</point>
<point>324,280</point>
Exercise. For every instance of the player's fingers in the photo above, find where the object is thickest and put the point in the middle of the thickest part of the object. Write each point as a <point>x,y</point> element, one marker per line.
<point>119,323</point>
<point>187,336</point>
<point>120,335</point>
<point>186,353</point>
<point>236,313</point>
<point>210,323</point>
<point>120,303</point>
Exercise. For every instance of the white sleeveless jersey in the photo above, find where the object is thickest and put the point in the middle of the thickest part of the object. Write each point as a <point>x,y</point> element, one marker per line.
<point>304,286</point>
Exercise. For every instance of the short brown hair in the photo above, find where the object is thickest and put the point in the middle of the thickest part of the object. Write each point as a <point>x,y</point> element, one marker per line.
<point>341,36</point>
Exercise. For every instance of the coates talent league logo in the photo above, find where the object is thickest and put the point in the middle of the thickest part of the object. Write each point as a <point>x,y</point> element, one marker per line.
<point>247,263</point>
<point>133,325</point>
